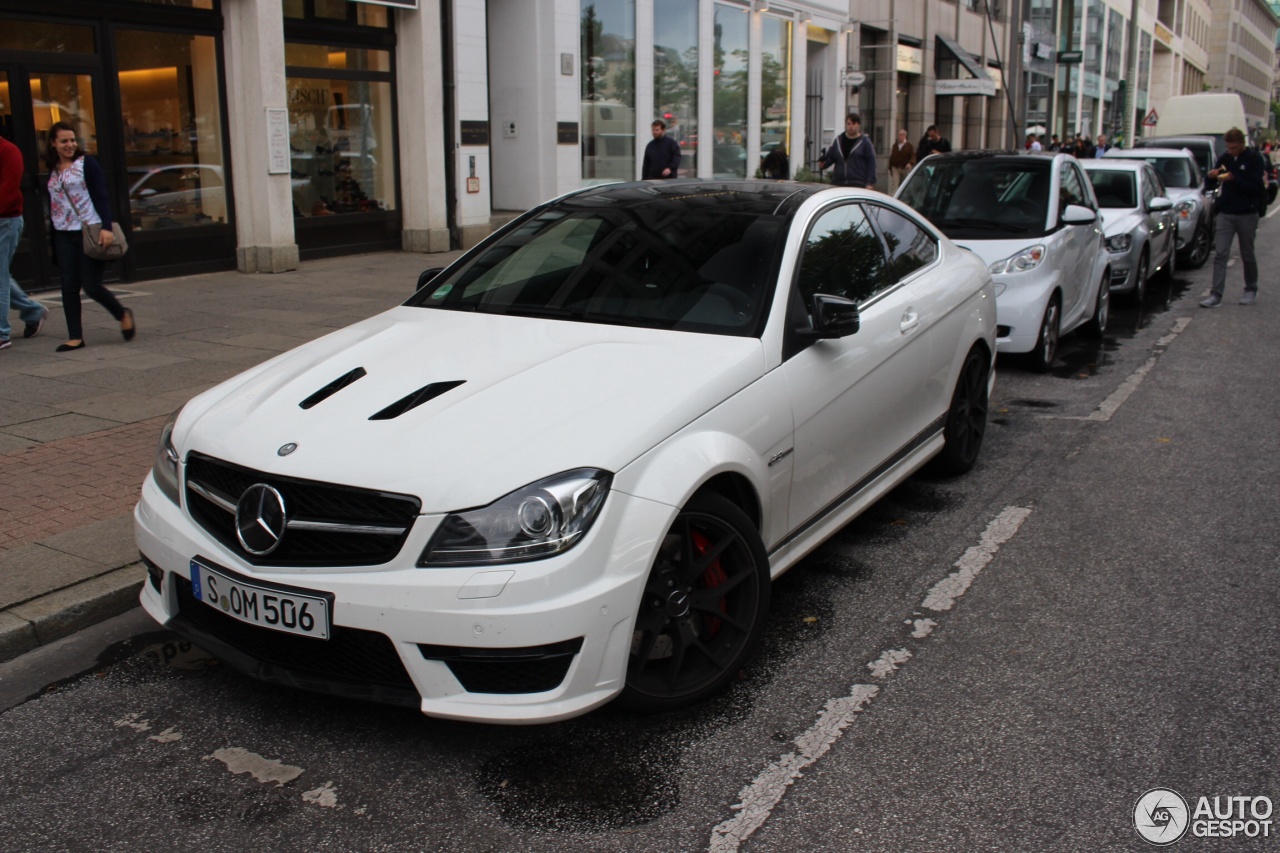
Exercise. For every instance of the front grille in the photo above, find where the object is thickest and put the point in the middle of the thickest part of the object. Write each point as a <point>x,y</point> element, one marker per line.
<point>535,669</point>
<point>305,500</point>
<point>1118,276</point>
<point>349,655</point>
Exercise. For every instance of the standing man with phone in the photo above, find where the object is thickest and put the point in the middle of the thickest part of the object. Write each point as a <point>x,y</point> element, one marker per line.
<point>1241,175</point>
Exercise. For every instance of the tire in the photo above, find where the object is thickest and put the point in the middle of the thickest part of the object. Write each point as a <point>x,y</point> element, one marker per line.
<point>1198,251</point>
<point>1097,324</point>
<point>1139,291</point>
<point>967,418</point>
<point>703,608</point>
<point>1046,349</point>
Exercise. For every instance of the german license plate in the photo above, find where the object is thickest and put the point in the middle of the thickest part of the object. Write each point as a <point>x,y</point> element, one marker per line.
<point>268,607</point>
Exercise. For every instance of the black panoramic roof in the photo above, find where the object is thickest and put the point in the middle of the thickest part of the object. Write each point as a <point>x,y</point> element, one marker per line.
<point>761,198</point>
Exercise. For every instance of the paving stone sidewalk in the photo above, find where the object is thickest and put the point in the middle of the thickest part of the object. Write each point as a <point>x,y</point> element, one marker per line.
<point>78,430</point>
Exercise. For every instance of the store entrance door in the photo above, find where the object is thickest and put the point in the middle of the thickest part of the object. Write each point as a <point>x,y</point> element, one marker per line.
<point>32,99</point>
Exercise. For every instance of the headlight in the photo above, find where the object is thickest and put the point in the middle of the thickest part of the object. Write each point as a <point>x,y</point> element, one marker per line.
<point>1027,259</point>
<point>165,466</point>
<point>1185,209</point>
<point>1119,243</point>
<point>540,520</point>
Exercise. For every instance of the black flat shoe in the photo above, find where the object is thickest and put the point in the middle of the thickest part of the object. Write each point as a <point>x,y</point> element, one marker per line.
<point>69,347</point>
<point>128,333</point>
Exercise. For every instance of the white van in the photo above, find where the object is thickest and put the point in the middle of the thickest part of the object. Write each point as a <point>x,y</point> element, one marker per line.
<point>1203,114</point>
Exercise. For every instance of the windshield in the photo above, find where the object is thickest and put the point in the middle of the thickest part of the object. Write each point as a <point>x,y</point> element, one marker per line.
<point>1114,189</point>
<point>664,266</point>
<point>994,199</point>
<point>1174,171</point>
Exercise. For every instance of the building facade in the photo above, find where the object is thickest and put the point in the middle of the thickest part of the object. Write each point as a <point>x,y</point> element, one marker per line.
<point>1242,43</point>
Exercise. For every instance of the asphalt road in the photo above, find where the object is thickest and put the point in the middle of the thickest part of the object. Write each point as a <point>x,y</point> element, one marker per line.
<point>1004,661</point>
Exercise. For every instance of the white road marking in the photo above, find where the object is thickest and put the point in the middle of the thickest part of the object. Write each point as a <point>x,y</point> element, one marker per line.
<point>887,664</point>
<point>999,531</point>
<point>263,769</point>
<point>1109,406</point>
<point>324,796</point>
<point>758,799</point>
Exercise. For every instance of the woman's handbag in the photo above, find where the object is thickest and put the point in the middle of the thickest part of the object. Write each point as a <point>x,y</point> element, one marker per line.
<point>94,249</point>
<point>89,235</point>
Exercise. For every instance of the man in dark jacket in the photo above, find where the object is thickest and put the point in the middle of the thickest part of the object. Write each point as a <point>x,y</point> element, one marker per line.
<point>661,156</point>
<point>932,143</point>
<point>1240,173</point>
<point>853,155</point>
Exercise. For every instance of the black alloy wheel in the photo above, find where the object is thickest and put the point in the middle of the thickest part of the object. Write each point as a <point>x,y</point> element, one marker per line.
<point>1139,291</point>
<point>1198,251</point>
<point>967,419</point>
<point>1046,348</point>
<point>703,607</point>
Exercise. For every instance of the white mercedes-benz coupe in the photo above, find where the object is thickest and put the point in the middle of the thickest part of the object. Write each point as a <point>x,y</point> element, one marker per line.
<point>566,469</point>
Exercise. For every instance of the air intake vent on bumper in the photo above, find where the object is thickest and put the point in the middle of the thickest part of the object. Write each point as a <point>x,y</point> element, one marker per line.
<point>333,387</point>
<point>417,398</point>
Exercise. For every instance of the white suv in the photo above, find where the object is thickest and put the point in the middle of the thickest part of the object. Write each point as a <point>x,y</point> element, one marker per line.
<point>1033,220</point>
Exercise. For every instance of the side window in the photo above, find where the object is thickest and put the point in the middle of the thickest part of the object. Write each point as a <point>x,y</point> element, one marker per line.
<point>1072,191</point>
<point>843,256</point>
<point>1157,185</point>
<point>910,247</point>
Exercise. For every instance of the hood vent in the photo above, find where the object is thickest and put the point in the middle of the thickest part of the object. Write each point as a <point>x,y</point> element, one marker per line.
<point>417,398</point>
<point>333,387</point>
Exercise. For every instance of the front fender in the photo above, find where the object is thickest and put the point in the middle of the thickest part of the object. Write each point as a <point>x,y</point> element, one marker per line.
<point>738,438</point>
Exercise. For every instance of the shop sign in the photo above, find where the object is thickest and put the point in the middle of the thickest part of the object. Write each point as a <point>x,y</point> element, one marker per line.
<point>972,86</point>
<point>1163,35</point>
<point>910,59</point>
<point>277,141</point>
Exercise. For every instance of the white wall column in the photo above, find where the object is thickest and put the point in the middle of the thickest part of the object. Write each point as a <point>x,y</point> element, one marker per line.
<point>644,79</point>
<point>755,68</point>
<point>419,63</point>
<point>706,87</point>
<point>254,48</point>
<point>471,166</point>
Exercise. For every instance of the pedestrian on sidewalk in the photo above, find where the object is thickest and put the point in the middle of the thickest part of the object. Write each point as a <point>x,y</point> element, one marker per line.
<point>901,158</point>
<point>1242,193</point>
<point>932,143</point>
<point>853,155</point>
<point>661,155</point>
<point>78,196</point>
<point>12,296</point>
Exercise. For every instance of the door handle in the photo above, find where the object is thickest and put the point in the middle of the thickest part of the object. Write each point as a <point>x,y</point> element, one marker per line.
<point>910,320</point>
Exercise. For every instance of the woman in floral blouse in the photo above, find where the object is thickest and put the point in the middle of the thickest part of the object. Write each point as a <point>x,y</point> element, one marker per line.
<point>78,196</point>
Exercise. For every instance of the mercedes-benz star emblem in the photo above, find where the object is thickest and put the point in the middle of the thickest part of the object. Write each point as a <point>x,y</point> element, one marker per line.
<point>286,449</point>
<point>260,519</point>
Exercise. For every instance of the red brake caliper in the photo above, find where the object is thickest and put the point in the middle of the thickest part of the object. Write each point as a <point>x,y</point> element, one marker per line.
<point>713,577</point>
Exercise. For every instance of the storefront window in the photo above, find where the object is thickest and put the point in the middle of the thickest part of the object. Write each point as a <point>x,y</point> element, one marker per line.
<point>675,75</point>
<point>608,49</point>
<point>729,156</point>
<point>364,14</point>
<point>341,144</point>
<point>172,129</point>
<point>341,58</point>
<point>775,96</point>
<point>44,36</point>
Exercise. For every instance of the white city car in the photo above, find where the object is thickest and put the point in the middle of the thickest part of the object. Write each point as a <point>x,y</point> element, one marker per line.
<point>569,466</point>
<point>1033,219</point>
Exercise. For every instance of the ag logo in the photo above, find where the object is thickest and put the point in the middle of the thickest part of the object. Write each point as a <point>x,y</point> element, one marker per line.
<point>1161,816</point>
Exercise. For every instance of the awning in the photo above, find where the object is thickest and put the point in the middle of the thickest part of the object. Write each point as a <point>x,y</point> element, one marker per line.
<point>962,56</point>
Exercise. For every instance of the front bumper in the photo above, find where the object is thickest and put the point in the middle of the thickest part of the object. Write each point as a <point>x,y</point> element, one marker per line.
<point>423,636</point>
<point>1020,304</point>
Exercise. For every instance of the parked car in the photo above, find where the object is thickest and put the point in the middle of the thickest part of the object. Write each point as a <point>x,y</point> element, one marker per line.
<point>1192,206</point>
<point>1206,150</point>
<point>1033,219</point>
<point>569,466</point>
<point>1138,221</point>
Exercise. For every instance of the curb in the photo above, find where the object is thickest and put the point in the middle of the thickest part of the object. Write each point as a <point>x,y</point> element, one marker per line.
<point>42,620</point>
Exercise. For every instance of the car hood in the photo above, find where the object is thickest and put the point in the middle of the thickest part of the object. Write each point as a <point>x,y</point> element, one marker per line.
<point>1178,194</point>
<point>536,397</point>
<point>1119,221</point>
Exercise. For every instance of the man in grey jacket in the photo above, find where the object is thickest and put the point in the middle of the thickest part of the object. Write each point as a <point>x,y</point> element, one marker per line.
<point>853,156</point>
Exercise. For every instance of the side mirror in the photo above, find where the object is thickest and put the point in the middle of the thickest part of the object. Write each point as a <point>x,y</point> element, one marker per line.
<point>833,317</point>
<point>1076,214</point>
<point>425,277</point>
<point>1160,203</point>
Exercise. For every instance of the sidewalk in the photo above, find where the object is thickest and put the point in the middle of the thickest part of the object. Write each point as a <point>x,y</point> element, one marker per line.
<point>78,430</point>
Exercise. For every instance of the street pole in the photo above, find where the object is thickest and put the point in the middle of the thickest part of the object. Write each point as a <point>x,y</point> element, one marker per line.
<point>1129,128</point>
<point>1069,19</point>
